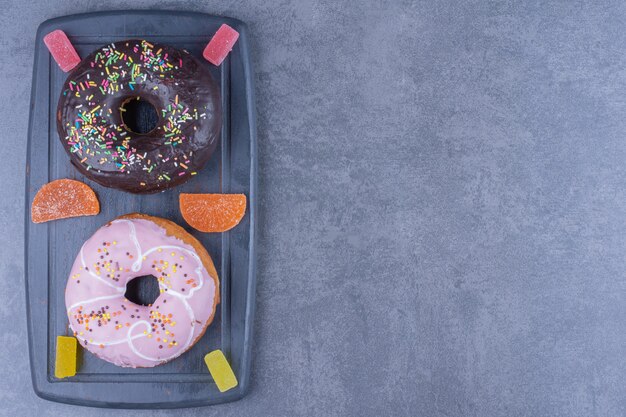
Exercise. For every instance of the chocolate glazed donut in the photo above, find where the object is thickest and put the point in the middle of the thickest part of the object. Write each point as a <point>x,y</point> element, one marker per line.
<point>96,95</point>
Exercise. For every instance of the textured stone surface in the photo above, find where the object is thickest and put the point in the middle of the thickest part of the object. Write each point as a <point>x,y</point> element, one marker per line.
<point>443,207</point>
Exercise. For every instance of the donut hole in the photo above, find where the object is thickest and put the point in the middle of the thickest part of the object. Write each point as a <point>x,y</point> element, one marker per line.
<point>139,115</point>
<point>142,290</point>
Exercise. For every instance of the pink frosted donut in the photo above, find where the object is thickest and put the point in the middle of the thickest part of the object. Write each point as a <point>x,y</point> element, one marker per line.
<point>131,335</point>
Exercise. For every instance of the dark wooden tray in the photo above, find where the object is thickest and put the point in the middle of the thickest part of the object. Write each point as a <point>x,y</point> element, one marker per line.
<point>51,247</point>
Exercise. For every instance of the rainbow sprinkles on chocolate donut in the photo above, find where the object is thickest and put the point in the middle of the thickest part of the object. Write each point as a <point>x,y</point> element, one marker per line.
<point>97,93</point>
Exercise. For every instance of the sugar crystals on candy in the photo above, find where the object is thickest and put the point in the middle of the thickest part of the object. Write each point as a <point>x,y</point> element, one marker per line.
<point>65,361</point>
<point>220,370</point>
<point>220,45</point>
<point>62,50</point>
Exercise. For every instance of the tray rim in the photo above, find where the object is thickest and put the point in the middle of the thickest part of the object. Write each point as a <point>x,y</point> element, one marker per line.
<point>244,381</point>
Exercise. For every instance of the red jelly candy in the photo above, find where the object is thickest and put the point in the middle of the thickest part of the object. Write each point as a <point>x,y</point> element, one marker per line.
<point>61,49</point>
<point>221,44</point>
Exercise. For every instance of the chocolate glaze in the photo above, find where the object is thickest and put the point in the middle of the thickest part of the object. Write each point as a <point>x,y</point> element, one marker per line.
<point>180,87</point>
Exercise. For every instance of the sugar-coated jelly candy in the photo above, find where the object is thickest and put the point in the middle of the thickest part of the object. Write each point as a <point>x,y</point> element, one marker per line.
<point>61,49</point>
<point>64,198</point>
<point>212,212</point>
<point>65,361</point>
<point>220,45</point>
<point>220,370</point>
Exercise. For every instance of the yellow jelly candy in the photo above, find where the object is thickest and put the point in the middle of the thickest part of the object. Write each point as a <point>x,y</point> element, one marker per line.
<point>220,370</point>
<point>65,362</point>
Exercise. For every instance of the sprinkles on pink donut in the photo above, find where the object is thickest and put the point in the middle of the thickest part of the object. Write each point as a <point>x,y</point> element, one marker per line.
<point>131,335</point>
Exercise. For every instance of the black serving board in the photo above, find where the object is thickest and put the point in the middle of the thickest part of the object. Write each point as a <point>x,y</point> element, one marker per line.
<point>51,247</point>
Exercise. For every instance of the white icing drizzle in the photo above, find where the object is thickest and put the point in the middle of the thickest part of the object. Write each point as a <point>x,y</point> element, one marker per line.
<point>198,270</point>
<point>82,260</point>
<point>119,342</point>
<point>187,343</point>
<point>137,265</point>
<point>93,300</point>
<point>133,236</point>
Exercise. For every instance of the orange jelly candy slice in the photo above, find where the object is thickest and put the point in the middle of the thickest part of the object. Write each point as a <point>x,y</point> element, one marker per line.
<point>213,212</point>
<point>60,199</point>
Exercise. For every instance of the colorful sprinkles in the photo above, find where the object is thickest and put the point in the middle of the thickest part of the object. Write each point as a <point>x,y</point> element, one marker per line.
<point>103,314</point>
<point>94,130</point>
<point>169,269</point>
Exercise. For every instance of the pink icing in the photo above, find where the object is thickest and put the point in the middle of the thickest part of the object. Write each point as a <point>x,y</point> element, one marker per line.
<point>122,332</point>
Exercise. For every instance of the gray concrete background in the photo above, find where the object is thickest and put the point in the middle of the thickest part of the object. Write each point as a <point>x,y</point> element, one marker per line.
<point>443,207</point>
